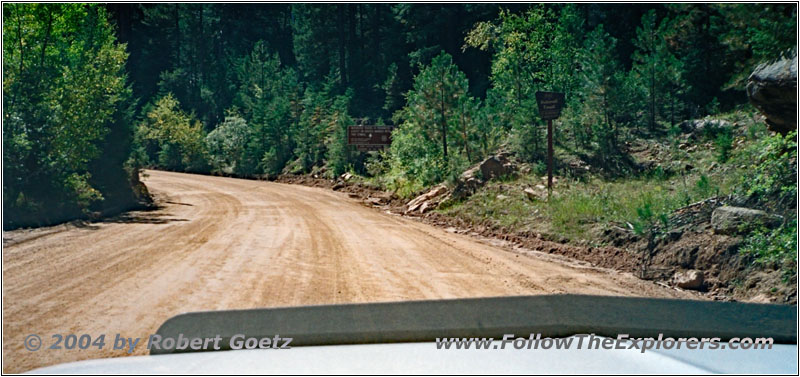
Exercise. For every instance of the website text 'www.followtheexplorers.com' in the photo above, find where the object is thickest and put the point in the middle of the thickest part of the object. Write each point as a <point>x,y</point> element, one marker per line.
<point>594,342</point>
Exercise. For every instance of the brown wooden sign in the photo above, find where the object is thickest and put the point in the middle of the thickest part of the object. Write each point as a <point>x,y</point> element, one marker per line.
<point>370,148</point>
<point>550,104</point>
<point>369,138</point>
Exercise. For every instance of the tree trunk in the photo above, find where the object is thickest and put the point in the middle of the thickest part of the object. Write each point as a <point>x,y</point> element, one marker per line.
<point>177,16</point>
<point>342,48</point>
<point>353,60</point>
<point>652,99</point>
<point>46,35</point>
<point>443,122</point>
<point>464,131</point>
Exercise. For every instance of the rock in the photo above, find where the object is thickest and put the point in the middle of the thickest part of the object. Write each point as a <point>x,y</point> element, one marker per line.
<point>532,194</point>
<point>387,197</point>
<point>422,202</point>
<point>337,186</point>
<point>502,197</point>
<point>473,178</point>
<point>470,173</point>
<point>698,126</point>
<point>555,179</point>
<point>465,188</point>
<point>425,207</point>
<point>732,220</point>
<point>674,234</point>
<point>496,166</point>
<point>346,176</point>
<point>382,198</point>
<point>772,89</point>
<point>691,279</point>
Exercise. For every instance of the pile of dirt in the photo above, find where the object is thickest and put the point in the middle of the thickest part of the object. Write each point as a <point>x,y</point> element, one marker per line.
<point>369,195</point>
<point>692,245</point>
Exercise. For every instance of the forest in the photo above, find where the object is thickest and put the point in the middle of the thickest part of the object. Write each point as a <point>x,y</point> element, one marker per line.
<point>93,93</point>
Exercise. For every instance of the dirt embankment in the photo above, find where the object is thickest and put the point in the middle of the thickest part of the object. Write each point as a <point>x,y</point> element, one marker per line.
<point>691,245</point>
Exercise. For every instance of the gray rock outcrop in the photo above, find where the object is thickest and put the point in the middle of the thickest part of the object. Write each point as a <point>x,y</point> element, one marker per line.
<point>772,89</point>
<point>732,220</point>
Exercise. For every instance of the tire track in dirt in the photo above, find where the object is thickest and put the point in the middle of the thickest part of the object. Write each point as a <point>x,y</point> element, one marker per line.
<point>221,243</point>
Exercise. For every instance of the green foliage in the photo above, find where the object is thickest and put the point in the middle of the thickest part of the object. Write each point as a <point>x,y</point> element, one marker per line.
<point>175,138</point>
<point>392,92</point>
<point>753,34</point>
<point>271,103</point>
<point>776,245</point>
<point>63,91</point>
<point>724,144</point>
<point>522,64</point>
<point>314,126</point>
<point>658,72</point>
<point>600,84</point>
<point>647,221</point>
<point>771,177</point>
<point>339,155</point>
<point>416,162</point>
<point>437,135</point>
<point>226,145</point>
<point>85,194</point>
<point>704,187</point>
<point>293,83</point>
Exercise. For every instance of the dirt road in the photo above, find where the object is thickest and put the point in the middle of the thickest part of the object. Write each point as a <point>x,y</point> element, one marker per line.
<point>222,243</point>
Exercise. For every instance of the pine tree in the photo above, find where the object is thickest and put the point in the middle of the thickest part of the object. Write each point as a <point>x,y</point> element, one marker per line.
<point>657,69</point>
<point>599,78</point>
<point>522,65</point>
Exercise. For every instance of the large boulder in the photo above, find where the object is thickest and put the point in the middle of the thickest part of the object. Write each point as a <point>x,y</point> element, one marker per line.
<point>700,126</point>
<point>732,220</point>
<point>772,89</point>
<point>496,166</point>
<point>472,179</point>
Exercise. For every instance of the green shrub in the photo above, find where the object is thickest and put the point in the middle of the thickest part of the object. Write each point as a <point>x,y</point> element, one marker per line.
<point>724,144</point>
<point>226,145</point>
<point>771,177</point>
<point>271,164</point>
<point>777,245</point>
<point>338,154</point>
<point>82,191</point>
<point>177,138</point>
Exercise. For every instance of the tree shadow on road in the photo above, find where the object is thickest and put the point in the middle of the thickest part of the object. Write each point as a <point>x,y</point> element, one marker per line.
<point>148,216</point>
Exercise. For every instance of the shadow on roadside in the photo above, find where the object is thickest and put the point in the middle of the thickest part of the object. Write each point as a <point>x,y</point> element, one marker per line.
<point>147,216</point>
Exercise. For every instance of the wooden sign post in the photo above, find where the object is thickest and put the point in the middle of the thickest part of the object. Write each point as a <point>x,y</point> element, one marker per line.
<point>550,105</point>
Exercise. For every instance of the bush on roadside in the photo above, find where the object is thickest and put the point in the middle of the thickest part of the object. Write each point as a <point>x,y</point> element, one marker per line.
<point>778,245</point>
<point>172,138</point>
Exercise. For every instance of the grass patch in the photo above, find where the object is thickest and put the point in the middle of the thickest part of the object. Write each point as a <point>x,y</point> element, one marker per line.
<point>580,205</point>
